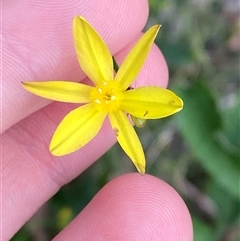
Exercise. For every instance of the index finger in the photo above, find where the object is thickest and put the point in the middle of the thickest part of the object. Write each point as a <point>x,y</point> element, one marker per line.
<point>38,44</point>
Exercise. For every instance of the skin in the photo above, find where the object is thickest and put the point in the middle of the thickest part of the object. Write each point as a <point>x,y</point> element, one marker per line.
<point>38,45</point>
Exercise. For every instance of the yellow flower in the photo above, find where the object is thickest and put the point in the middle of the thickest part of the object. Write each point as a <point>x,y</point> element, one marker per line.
<point>110,95</point>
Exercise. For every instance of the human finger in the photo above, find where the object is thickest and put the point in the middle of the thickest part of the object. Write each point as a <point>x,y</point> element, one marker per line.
<point>38,44</point>
<point>132,207</point>
<point>29,167</point>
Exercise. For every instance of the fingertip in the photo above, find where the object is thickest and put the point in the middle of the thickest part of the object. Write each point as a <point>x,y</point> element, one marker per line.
<point>133,207</point>
<point>154,71</point>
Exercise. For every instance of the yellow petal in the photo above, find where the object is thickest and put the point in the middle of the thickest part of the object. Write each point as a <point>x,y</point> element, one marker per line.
<point>93,54</point>
<point>128,139</point>
<point>60,91</point>
<point>131,66</point>
<point>77,128</point>
<point>151,102</point>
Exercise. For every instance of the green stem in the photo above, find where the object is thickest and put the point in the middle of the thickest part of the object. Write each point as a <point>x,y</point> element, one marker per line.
<point>115,65</point>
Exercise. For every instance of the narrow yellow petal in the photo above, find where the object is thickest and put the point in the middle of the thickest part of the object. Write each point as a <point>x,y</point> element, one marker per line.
<point>77,128</point>
<point>128,139</point>
<point>93,54</point>
<point>60,91</point>
<point>151,102</point>
<point>131,66</point>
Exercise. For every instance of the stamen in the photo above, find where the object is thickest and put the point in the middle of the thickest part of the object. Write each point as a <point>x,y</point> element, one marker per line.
<point>106,96</point>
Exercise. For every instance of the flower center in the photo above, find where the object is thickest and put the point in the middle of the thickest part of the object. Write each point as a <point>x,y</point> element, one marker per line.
<point>107,96</point>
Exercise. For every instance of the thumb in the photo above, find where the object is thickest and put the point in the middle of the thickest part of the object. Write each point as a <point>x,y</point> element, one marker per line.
<point>132,207</point>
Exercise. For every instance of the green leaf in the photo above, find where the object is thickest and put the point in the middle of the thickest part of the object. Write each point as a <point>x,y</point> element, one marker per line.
<point>198,123</point>
<point>231,121</point>
<point>227,208</point>
<point>201,230</point>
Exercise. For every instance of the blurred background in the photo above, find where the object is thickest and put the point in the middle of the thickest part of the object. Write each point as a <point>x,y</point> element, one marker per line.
<point>197,150</point>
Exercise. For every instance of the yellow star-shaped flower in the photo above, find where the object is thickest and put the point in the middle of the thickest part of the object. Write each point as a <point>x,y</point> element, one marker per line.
<point>110,96</point>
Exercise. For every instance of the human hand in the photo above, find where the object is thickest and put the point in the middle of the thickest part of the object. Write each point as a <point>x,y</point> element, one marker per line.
<point>38,45</point>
